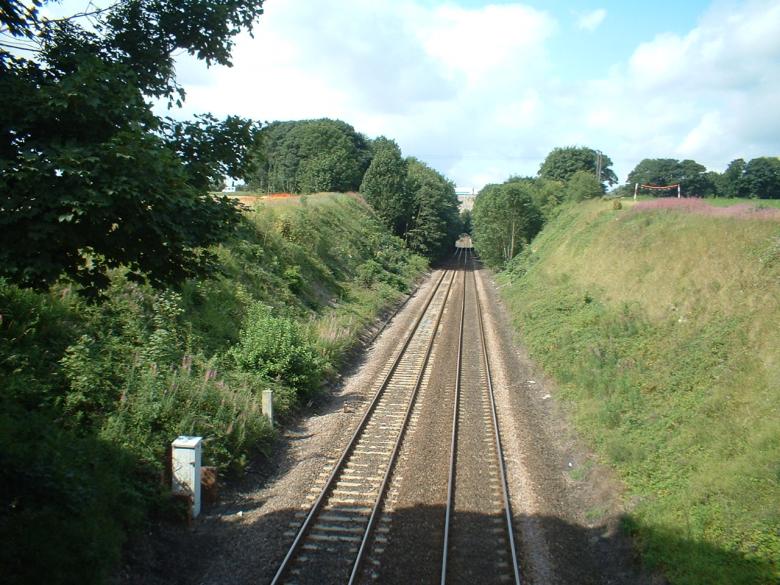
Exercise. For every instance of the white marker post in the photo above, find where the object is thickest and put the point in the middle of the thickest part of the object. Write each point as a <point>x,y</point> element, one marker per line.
<point>186,462</point>
<point>268,405</point>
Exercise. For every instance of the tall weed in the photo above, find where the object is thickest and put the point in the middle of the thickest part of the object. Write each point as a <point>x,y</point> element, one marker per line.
<point>280,349</point>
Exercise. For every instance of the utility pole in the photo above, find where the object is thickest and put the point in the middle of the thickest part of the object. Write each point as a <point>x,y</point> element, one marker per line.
<point>598,166</point>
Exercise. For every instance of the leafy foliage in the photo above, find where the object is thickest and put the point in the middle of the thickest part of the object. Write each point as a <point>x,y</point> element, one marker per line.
<point>563,162</point>
<point>65,501</point>
<point>757,178</point>
<point>583,185</point>
<point>279,349</point>
<point>692,176</point>
<point>435,223</point>
<point>94,392</point>
<point>91,178</point>
<point>506,217</point>
<point>730,182</point>
<point>384,186</point>
<point>761,178</point>
<point>310,156</point>
<point>465,220</point>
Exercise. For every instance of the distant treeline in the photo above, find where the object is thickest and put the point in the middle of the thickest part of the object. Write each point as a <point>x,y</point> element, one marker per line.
<point>757,178</point>
<point>308,156</point>
<point>507,216</point>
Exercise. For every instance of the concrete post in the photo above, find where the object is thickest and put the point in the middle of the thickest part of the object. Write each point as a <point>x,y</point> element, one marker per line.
<point>186,462</point>
<point>268,405</point>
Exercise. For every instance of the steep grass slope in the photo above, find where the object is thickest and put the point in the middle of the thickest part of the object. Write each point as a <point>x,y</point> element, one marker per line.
<point>93,393</point>
<point>662,329</point>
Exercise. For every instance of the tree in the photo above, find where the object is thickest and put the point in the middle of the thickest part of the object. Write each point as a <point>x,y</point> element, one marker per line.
<point>505,219</point>
<point>563,162</point>
<point>91,177</point>
<point>731,180</point>
<point>307,156</point>
<point>583,185</point>
<point>761,178</point>
<point>466,221</point>
<point>384,186</point>
<point>694,180</point>
<point>434,223</point>
<point>654,171</point>
<point>690,175</point>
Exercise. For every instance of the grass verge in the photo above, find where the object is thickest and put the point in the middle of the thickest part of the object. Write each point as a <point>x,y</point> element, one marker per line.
<point>662,329</point>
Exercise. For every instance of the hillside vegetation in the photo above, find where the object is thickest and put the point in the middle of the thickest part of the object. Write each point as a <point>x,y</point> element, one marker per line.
<point>662,328</point>
<point>94,392</point>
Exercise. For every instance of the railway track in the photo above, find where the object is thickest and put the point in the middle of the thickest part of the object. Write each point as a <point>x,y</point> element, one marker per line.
<point>333,539</point>
<point>479,542</point>
<point>337,535</point>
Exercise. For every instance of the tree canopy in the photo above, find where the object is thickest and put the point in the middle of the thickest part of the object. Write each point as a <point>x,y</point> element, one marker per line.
<point>505,218</point>
<point>760,178</point>
<point>691,176</point>
<point>434,222</point>
<point>757,178</point>
<point>308,156</point>
<point>91,177</point>
<point>384,185</point>
<point>583,185</point>
<point>563,162</point>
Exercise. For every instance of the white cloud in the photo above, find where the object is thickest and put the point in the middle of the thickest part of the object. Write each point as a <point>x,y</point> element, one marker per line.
<point>450,84</point>
<point>711,94</point>
<point>590,21</point>
<point>475,43</point>
<point>470,90</point>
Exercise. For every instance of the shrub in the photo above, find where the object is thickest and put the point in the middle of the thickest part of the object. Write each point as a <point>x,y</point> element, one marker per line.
<point>278,348</point>
<point>368,273</point>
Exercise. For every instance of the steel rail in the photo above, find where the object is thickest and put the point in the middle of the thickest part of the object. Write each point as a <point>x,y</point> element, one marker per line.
<point>316,506</point>
<point>454,437</point>
<point>397,447</point>
<point>497,435</point>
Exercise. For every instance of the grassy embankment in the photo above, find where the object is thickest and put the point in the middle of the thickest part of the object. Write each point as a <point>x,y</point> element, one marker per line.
<point>93,393</point>
<point>662,329</point>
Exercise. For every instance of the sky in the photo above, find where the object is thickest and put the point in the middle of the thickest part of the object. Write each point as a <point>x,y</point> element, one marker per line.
<point>484,90</point>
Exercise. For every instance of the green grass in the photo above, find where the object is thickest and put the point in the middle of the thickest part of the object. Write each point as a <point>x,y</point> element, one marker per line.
<point>722,201</point>
<point>726,202</point>
<point>662,330</point>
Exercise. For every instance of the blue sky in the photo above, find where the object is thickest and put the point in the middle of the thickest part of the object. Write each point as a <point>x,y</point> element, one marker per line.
<point>581,53</point>
<point>484,90</point>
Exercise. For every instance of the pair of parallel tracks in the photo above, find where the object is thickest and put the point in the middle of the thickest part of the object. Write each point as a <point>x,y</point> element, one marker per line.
<point>334,539</point>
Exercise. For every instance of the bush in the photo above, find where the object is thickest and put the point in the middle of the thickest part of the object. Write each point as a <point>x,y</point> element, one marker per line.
<point>93,393</point>
<point>368,273</point>
<point>583,185</point>
<point>278,348</point>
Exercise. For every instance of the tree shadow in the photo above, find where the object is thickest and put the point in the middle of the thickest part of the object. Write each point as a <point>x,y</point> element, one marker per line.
<point>228,551</point>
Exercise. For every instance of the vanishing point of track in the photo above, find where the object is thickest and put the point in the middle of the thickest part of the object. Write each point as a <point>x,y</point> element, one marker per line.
<point>332,543</point>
